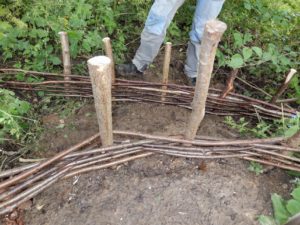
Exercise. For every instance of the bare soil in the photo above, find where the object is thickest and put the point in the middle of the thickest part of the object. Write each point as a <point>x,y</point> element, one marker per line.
<point>154,190</point>
<point>158,190</point>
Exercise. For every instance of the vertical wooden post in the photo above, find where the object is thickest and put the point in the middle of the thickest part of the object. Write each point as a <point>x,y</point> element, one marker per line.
<point>284,86</point>
<point>166,69</point>
<point>109,53</point>
<point>100,73</point>
<point>65,55</point>
<point>213,32</point>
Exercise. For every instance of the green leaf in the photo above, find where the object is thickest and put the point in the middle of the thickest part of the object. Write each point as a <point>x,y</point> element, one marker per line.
<point>256,167</point>
<point>236,61</point>
<point>238,39</point>
<point>55,60</point>
<point>20,77</point>
<point>258,51</point>
<point>247,38</point>
<point>221,58</point>
<point>290,131</point>
<point>284,60</point>
<point>86,46</point>
<point>280,213</point>
<point>247,53</point>
<point>267,56</point>
<point>293,206</point>
<point>247,5</point>
<point>60,126</point>
<point>23,107</point>
<point>266,220</point>
<point>296,194</point>
<point>41,93</point>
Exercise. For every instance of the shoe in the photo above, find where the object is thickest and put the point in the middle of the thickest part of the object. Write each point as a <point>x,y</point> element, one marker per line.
<point>191,81</point>
<point>127,70</point>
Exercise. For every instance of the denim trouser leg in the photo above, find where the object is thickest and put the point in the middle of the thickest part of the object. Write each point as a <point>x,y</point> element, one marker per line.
<point>205,10</point>
<point>159,18</point>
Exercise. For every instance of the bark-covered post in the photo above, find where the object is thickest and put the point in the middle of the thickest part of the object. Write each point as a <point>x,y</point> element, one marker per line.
<point>213,32</point>
<point>284,86</point>
<point>166,69</point>
<point>109,53</point>
<point>65,55</point>
<point>100,73</point>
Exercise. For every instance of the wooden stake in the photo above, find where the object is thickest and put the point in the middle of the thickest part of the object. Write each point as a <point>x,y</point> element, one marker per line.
<point>213,32</point>
<point>166,69</point>
<point>100,73</point>
<point>109,53</point>
<point>284,86</point>
<point>65,55</point>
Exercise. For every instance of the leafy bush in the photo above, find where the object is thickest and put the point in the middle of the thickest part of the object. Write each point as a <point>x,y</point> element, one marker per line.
<point>261,40</point>
<point>260,31</point>
<point>12,112</point>
<point>35,35</point>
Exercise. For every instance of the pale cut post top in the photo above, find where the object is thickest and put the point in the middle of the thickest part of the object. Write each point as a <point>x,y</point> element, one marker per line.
<point>291,74</point>
<point>106,39</point>
<point>62,33</point>
<point>99,61</point>
<point>215,26</point>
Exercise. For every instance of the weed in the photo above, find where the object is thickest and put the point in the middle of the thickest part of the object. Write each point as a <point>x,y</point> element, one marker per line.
<point>284,127</point>
<point>12,115</point>
<point>256,167</point>
<point>283,210</point>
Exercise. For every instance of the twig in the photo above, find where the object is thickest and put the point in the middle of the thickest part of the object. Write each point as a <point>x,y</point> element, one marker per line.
<point>284,86</point>
<point>229,83</point>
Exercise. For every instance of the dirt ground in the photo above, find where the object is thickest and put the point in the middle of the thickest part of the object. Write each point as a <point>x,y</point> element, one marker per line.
<point>158,190</point>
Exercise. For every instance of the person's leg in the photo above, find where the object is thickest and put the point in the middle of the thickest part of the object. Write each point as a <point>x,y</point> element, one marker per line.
<point>205,10</point>
<point>159,19</point>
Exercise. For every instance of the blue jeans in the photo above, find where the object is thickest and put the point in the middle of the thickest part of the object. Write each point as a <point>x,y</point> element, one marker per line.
<point>159,19</point>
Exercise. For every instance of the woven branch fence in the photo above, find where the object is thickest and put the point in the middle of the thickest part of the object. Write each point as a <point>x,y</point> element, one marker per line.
<point>23,183</point>
<point>141,91</point>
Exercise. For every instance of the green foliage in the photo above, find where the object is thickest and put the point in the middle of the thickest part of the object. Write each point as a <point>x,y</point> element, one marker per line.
<point>262,41</point>
<point>283,210</point>
<point>35,38</point>
<point>12,112</point>
<point>240,55</point>
<point>261,36</point>
<point>259,23</point>
<point>256,168</point>
<point>284,127</point>
<point>263,129</point>
<point>295,84</point>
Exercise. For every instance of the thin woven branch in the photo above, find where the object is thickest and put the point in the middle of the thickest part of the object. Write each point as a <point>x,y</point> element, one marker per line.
<point>23,183</point>
<point>140,91</point>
